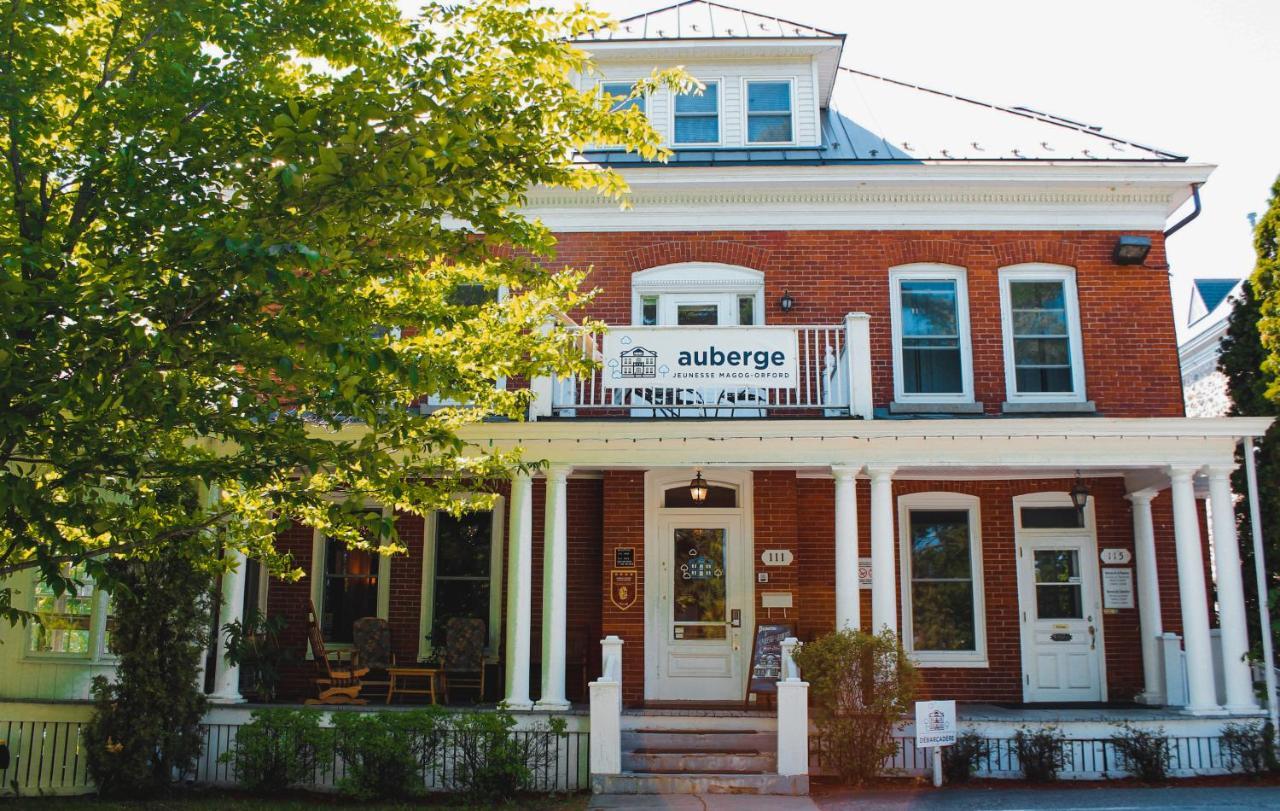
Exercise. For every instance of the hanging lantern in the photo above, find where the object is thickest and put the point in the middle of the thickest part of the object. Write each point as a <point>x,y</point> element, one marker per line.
<point>698,488</point>
<point>1079,497</point>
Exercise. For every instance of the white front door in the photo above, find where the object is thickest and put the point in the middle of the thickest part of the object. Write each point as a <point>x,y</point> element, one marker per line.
<point>701,609</point>
<point>1061,618</point>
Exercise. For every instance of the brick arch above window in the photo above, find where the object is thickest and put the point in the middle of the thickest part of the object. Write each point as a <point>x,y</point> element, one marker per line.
<point>726,252</point>
<point>932,251</point>
<point>1042,251</point>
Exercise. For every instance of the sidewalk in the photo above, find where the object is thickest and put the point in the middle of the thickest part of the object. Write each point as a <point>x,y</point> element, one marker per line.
<point>701,802</point>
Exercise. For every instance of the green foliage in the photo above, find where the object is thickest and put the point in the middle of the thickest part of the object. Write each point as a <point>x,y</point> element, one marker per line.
<point>254,646</point>
<point>280,748</point>
<point>212,212</point>
<point>1251,747</point>
<point>145,728</point>
<point>1042,752</point>
<point>860,686</point>
<point>387,753</point>
<point>1144,753</point>
<point>960,760</point>
<point>494,761</point>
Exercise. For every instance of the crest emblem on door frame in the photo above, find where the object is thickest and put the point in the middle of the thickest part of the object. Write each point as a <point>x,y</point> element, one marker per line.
<point>622,588</point>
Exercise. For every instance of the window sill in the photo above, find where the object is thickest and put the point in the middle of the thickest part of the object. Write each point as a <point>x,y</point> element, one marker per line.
<point>926,661</point>
<point>1085,407</point>
<point>897,407</point>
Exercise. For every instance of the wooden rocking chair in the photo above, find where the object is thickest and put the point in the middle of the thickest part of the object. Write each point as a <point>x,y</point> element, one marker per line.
<point>337,682</point>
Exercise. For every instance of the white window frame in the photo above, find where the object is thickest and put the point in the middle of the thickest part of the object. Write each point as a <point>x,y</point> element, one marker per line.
<point>747,81</point>
<point>318,542</point>
<point>976,658</point>
<point>95,650</point>
<point>924,271</point>
<point>718,81</point>
<point>644,97</point>
<point>1038,272</point>
<point>706,280</point>
<point>426,614</point>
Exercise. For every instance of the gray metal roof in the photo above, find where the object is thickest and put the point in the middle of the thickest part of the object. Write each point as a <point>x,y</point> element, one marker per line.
<point>698,19</point>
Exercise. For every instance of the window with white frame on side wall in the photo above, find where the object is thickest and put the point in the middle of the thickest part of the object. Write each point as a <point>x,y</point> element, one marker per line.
<point>943,615</point>
<point>73,623</point>
<point>462,574</point>
<point>770,111</point>
<point>1043,352</point>
<point>932,353</point>
<point>348,583</point>
<point>695,117</point>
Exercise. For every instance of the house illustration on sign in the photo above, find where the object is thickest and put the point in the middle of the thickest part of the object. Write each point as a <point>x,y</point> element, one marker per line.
<point>639,362</point>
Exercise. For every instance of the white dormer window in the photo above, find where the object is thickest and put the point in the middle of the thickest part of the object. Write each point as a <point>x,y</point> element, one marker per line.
<point>621,91</point>
<point>696,117</point>
<point>769,113</point>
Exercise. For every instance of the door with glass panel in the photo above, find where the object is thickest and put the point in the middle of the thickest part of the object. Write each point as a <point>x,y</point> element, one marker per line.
<point>1061,616</point>
<point>703,609</point>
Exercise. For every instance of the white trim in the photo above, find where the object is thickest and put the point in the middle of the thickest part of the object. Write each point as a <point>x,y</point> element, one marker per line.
<point>318,540</point>
<point>1035,272</point>
<point>944,501</point>
<point>790,82</point>
<point>427,584</point>
<point>718,81</point>
<point>931,272</point>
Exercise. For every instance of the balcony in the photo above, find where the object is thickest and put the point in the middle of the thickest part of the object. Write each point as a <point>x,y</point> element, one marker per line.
<point>718,372</point>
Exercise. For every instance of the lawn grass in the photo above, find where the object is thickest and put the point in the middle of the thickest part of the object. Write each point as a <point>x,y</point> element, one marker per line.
<point>213,801</point>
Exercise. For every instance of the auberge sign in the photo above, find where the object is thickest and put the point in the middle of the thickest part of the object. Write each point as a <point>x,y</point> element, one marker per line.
<point>708,357</point>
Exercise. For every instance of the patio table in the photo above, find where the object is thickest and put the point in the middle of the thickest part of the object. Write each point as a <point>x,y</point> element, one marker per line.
<point>399,674</point>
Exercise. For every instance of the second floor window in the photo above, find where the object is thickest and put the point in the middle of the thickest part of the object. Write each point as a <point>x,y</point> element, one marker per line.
<point>769,112</point>
<point>930,316</point>
<point>697,116</point>
<point>621,91</point>
<point>1041,334</point>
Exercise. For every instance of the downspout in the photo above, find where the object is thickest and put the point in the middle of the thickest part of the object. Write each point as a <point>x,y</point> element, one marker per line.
<point>1195,212</point>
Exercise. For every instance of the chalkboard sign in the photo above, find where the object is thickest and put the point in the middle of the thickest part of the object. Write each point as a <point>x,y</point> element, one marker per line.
<point>766,657</point>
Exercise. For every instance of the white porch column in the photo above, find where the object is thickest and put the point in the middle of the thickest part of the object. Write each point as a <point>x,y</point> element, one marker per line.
<point>884,577</point>
<point>226,676</point>
<point>555,587</point>
<point>1237,679</point>
<point>1150,622</point>
<point>848,595</point>
<point>519,592</point>
<point>1201,693</point>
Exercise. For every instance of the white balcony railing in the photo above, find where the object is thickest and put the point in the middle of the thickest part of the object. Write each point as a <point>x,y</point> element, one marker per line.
<point>832,379</point>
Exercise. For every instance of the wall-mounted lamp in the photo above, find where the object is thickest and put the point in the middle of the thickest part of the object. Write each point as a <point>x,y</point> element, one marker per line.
<point>1131,250</point>
<point>1079,497</point>
<point>786,302</point>
<point>698,488</point>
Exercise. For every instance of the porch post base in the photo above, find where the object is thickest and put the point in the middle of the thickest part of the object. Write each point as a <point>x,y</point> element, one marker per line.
<point>521,706</point>
<point>1209,711</point>
<point>1242,709</point>
<point>551,705</point>
<point>1151,699</point>
<point>226,698</point>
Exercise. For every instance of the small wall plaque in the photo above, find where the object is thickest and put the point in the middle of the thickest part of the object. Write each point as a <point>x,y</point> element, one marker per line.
<point>624,557</point>
<point>777,557</point>
<point>622,588</point>
<point>1116,557</point>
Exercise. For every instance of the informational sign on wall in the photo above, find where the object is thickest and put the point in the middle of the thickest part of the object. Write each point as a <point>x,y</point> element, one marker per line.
<point>624,557</point>
<point>622,588</point>
<point>707,357</point>
<point>1117,588</point>
<point>864,572</point>
<point>1116,557</point>
<point>935,723</point>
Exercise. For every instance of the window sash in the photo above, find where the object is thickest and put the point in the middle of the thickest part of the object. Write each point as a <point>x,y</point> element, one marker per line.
<point>692,113</point>
<point>622,91</point>
<point>67,629</point>
<point>767,110</point>
<point>1042,335</point>
<point>949,580</point>
<point>929,310</point>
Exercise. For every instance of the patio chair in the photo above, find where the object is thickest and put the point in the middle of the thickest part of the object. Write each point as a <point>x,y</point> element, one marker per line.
<point>463,660</point>
<point>337,682</point>
<point>372,643</point>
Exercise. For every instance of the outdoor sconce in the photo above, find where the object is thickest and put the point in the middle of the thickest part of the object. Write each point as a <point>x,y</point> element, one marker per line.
<point>786,302</point>
<point>698,488</point>
<point>1079,497</point>
<point>1131,250</point>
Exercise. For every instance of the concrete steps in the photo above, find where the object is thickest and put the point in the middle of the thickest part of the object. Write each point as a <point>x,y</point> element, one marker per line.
<point>644,783</point>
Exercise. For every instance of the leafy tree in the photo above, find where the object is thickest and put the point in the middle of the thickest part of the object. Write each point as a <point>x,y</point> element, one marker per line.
<point>1248,361</point>
<point>242,241</point>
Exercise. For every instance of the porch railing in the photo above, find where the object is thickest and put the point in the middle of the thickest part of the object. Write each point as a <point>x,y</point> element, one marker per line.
<point>606,710</point>
<point>793,714</point>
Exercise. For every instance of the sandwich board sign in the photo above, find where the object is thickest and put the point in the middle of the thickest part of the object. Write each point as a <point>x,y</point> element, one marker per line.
<point>935,723</point>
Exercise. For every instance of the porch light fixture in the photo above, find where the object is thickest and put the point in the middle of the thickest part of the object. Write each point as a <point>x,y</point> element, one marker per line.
<point>1079,497</point>
<point>1131,250</point>
<point>786,302</point>
<point>698,488</point>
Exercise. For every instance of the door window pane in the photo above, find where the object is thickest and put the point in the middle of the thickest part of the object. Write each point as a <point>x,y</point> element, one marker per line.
<point>620,91</point>
<point>698,584</point>
<point>931,359</point>
<point>695,315</point>
<point>64,619</point>
<point>649,311</point>
<point>1041,340</point>
<point>1058,585</point>
<point>768,112</point>
<point>942,598</point>
<point>697,117</point>
<point>1050,518</point>
<point>463,567</point>
<point>746,310</point>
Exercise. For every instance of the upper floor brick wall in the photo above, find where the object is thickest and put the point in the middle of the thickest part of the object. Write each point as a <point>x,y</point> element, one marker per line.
<point>1126,314</point>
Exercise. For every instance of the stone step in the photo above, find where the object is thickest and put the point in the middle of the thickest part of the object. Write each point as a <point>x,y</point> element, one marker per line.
<point>700,783</point>
<point>698,741</point>
<point>737,762</point>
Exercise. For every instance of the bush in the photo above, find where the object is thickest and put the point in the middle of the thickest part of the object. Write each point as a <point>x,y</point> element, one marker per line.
<point>492,761</point>
<point>254,645</point>
<point>387,753</point>
<point>860,686</point>
<point>960,760</point>
<point>1144,753</point>
<point>145,728</point>
<point>280,748</point>
<point>1251,747</point>
<point>1041,752</point>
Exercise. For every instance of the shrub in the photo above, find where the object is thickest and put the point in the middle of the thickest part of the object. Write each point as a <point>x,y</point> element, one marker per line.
<point>1144,753</point>
<point>254,645</point>
<point>961,759</point>
<point>387,753</point>
<point>280,748</point>
<point>492,761</point>
<point>1251,747</point>
<point>1041,752</point>
<point>860,685</point>
<point>145,728</point>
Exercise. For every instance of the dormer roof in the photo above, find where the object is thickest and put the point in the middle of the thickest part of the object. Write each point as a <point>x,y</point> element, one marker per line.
<point>698,19</point>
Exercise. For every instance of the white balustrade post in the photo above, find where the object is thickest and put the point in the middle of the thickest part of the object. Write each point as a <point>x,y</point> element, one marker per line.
<point>1201,693</point>
<point>519,592</point>
<point>555,588</point>
<point>884,576</point>
<point>606,710</point>
<point>858,359</point>
<point>848,594</point>
<point>1150,622</point>
<point>226,676</point>
<point>1236,676</point>
<point>793,715</point>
